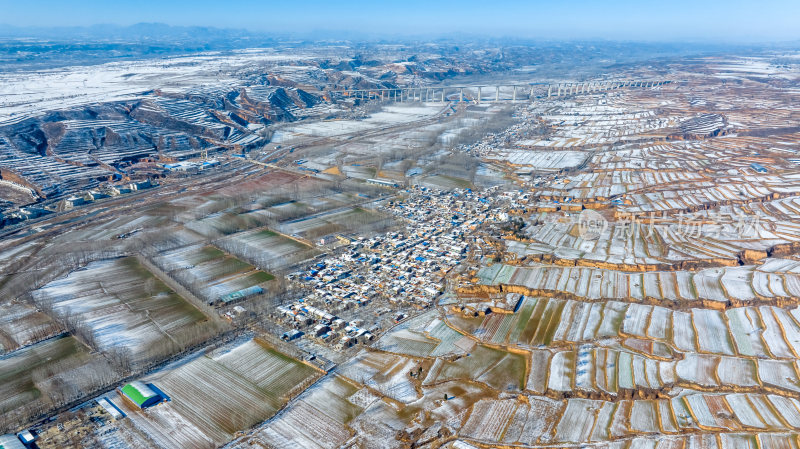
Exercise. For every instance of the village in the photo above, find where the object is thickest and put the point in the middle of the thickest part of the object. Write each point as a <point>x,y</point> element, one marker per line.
<point>611,269</point>
<point>399,272</point>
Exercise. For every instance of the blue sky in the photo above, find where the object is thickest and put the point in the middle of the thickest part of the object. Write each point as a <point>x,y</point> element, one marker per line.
<point>697,20</point>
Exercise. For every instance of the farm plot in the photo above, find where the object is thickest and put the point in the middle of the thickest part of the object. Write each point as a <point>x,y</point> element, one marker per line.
<point>12,252</point>
<point>446,182</point>
<point>405,341</point>
<point>489,419</point>
<point>124,305</point>
<point>110,229</point>
<point>21,325</point>
<point>584,420</point>
<point>543,160</point>
<point>210,272</point>
<point>424,336</point>
<point>495,327</point>
<point>267,249</point>
<point>350,220</point>
<point>735,285</point>
<point>386,373</point>
<point>578,419</point>
<point>498,369</point>
<point>48,372</point>
<point>225,223</point>
<point>318,420</point>
<point>269,369</point>
<point>213,397</point>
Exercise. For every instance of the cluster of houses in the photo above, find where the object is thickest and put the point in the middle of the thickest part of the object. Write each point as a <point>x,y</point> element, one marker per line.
<point>401,269</point>
<point>323,325</point>
<point>30,212</point>
<point>107,192</point>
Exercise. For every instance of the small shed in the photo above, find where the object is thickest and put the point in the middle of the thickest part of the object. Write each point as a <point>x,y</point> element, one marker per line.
<point>239,294</point>
<point>291,335</point>
<point>110,408</point>
<point>26,437</point>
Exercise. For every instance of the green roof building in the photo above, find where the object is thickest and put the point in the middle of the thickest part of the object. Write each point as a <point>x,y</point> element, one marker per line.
<point>140,394</point>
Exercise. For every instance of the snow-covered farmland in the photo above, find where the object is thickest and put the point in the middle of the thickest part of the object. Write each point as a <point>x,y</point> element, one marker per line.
<point>210,271</point>
<point>541,160</point>
<point>212,397</point>
<point>124,306</point>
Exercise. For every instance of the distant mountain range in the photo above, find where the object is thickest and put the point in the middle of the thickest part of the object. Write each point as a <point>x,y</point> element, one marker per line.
<point>25,48</point>
<point>34,47</point>
<point>139,31</point>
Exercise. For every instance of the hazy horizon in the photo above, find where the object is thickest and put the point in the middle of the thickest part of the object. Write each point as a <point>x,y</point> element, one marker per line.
<point>714,21</point>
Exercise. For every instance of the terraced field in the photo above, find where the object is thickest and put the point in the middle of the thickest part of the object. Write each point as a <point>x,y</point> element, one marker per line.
<point>673,324</point>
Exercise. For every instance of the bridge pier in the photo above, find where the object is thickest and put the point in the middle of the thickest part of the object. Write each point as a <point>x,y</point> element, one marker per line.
<point>440,94</point>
